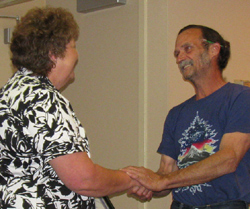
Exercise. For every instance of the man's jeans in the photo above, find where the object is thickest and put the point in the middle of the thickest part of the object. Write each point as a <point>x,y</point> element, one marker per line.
<point>223,205</point>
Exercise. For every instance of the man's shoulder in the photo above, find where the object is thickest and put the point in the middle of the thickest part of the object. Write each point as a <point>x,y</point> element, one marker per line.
<point>235,90</point>
<point>236,87</point>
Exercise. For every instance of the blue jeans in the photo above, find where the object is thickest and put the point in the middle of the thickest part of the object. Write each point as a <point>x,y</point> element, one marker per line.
<point>223,205</point>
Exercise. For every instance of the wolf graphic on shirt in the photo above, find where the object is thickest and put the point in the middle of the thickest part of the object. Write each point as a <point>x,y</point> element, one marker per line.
<point>197,144</point>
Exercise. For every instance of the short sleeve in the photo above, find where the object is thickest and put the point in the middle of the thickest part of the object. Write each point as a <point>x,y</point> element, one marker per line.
<point>167,145</point>
<point>52,125</point>
<point>239,114</point>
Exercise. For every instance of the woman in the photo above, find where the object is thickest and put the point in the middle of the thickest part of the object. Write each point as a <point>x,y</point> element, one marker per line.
<point>44,150</point>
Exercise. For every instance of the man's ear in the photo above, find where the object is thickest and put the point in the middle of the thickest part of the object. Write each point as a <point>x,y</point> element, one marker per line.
<point>215,49</point>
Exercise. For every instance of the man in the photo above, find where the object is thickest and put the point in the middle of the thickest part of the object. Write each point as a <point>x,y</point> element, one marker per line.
<point>206,140</point>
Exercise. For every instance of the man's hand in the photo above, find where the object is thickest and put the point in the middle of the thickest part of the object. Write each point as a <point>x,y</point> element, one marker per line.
<point>146,177</point>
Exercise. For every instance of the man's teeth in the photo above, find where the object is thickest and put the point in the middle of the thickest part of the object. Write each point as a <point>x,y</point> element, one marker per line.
<point>186,66</point>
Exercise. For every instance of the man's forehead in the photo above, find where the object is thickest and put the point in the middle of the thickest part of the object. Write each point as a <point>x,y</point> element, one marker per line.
<point>189,35</point>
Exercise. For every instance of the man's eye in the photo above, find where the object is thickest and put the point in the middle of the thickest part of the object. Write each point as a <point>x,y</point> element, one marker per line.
<point>188,49</point>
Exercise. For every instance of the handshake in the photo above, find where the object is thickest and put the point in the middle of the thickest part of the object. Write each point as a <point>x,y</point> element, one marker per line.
<point>146,183</point>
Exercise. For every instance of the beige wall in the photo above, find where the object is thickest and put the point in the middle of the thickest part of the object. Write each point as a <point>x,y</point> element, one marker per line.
<point>127,79</point>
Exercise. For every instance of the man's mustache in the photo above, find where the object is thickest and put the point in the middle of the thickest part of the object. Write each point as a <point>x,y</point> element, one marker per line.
<point>185,63</point>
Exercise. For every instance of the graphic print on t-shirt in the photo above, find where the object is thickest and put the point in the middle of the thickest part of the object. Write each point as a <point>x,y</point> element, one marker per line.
<point>197,143</point>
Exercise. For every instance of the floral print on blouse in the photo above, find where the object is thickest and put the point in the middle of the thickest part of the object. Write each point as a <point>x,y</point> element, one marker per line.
<point>37,124</point>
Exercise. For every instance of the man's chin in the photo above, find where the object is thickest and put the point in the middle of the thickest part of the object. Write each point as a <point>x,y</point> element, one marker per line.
<point>187,77</point>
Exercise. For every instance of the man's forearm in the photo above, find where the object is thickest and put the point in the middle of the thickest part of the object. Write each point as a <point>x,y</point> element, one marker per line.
<point>216,165</point>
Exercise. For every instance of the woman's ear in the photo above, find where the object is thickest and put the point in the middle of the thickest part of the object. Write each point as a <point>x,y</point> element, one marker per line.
<point>53,59</point>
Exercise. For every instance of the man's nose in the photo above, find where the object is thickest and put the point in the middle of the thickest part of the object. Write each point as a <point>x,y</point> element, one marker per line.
<point>181,56</point>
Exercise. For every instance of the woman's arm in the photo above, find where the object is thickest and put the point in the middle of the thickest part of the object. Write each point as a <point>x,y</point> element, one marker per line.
<point>81,175</point>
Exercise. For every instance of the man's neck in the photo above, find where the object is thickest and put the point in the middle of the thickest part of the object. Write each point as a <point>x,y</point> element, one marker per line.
<point>204,88</point>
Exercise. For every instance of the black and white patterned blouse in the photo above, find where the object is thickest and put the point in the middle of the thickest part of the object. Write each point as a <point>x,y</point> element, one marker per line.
<point>37,124</point>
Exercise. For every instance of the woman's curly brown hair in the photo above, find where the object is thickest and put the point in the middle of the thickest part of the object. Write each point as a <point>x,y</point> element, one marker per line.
<point>41,33</point>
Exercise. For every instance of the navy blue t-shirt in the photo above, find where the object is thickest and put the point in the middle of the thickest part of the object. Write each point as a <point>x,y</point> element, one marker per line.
<point>193,131</point>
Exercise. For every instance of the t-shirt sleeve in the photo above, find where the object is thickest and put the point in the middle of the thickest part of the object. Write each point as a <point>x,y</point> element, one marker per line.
<point>51,124</point>
<point>167,145</point>
<point>239,114</point>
